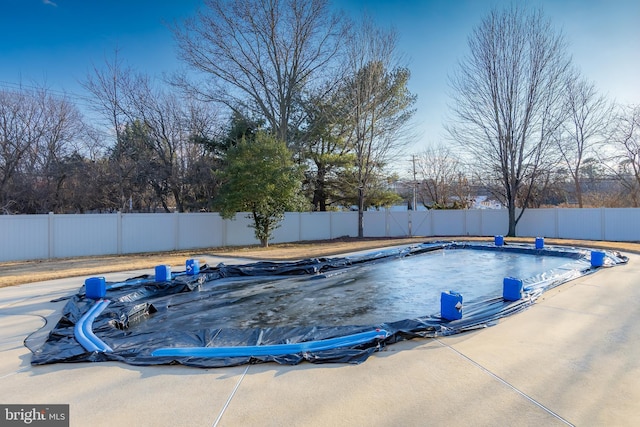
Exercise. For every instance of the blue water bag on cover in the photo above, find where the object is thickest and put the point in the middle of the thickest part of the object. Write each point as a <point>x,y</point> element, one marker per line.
<point>451,305</point>
<point>163,273</point>
<point>597,258</point>
<point>511,289</point>
<point>95,287</point>
<point>193,267</point>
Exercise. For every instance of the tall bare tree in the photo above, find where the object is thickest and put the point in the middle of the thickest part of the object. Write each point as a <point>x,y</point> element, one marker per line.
<point>627,140</point>
<point>585,129</point>
<point>507,97</point>
<point>258,55</point>
<point>380,105</point>
<point>107,86</point>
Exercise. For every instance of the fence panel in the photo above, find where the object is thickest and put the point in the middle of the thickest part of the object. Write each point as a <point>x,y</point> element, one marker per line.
<point>238,231</point>
<point>448,222</point>
<point>154,232</point>
<point>83,235</point>
<point>24,237</point>
<point>537,223</point>
<point>421,223</point>
<point>473,222</point>
<point>398,223</point>
<point>200,230</point>
<point>375,224</point>
<point>315,225</point>
<point>621,224</point>
<point>288,230</point>
<point>494,222</point>
<point>580,224</point>
<point>344,224</point>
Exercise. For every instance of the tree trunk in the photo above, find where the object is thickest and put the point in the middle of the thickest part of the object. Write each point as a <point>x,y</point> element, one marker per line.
<point>264,240</point>
<point>319,194</point>
<point>579,193</point>
<point>360,212</point>
<point>178,199</point>
<point>511,206</point>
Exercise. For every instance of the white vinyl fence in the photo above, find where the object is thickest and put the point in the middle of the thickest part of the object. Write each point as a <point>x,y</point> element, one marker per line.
<point>26,237</point>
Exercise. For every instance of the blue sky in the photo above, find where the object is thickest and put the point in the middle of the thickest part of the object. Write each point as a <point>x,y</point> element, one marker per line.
<point>56,42</point>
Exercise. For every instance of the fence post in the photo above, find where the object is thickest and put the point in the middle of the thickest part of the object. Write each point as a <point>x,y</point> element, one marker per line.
<point>465,227</point>
<point>119,233</point>
<point>176,231</point>
<point>387,225</point>
<point>330,224</point>
<point>431,223</point>
<point>51,249</point>
<point>299,226</point>
<point>223,226</point>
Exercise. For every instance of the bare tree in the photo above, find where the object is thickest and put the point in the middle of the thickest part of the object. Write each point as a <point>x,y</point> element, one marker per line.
<point>585,128</point>
<point>258,55</point>
<point>441,182</point>
<point>380,105</point>
<point>36,133</point>
<point>20,131</point>
<point>171,123</point>
<point>107,86</point>
<point>155,131</point>
<point>62,127</point>
<point>507,100</point>
<point>627,140</point>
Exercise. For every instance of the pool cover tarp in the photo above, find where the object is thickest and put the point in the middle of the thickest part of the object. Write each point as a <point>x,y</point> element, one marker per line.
<point>183,321</point>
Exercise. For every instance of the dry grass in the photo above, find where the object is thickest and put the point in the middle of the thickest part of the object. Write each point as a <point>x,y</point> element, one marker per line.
<point>15,273</point>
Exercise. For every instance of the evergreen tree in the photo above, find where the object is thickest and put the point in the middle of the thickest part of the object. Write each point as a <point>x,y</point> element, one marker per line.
<point>260,178</point>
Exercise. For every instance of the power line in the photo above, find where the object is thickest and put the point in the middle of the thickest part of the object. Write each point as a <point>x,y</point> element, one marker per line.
<point>82,101</point>
<point>61,93</point>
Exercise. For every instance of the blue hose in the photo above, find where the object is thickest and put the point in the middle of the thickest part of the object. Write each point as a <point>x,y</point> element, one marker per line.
<point>275,349</point>
<point>83,329</point>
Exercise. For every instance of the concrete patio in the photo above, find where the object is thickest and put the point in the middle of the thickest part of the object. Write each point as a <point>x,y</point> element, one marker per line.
<point>571,359</point>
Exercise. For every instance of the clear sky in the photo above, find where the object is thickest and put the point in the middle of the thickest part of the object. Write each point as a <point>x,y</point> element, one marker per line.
<point>56,42</point>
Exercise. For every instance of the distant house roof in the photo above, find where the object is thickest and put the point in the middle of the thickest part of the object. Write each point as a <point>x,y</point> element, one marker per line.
<point>484,202</point>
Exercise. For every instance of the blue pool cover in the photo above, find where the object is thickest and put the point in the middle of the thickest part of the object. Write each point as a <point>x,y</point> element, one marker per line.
<point>236,314</point>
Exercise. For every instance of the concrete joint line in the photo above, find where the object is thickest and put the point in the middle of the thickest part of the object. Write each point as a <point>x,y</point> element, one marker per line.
<point>521,393</point>
<point>15,372</point>
<point>233,393</point>
<point>8,306</point>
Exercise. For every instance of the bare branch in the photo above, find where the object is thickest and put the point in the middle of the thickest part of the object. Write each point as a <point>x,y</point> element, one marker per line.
<point>507,99</point>
<point>260,54</point>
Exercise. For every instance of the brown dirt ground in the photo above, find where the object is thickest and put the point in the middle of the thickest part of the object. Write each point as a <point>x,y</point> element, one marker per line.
<point>19,272</point>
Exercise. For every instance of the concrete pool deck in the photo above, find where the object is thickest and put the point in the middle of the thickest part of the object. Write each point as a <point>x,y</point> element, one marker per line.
<point>571,359</point>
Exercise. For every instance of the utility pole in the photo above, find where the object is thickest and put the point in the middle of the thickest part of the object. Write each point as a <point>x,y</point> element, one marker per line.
<point>413,202</point>
<point>415,183</point>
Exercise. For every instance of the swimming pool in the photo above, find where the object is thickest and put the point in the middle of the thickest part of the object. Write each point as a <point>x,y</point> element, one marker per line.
<point>334,309</point>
